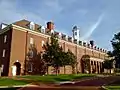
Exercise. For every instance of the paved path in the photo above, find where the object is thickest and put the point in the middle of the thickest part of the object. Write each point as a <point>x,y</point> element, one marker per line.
<point>93,84</point>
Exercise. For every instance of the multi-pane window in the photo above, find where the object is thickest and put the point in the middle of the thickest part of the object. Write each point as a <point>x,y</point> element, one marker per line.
<point>30,67</point>
<point>3,53</point>
<point>5,38</point>
<point>31,41</point>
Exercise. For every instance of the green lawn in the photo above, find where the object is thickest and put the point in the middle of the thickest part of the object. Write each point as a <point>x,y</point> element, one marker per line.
<point>112,87</point>
<point>22,80</point>
<point>10,82</point>
<point>57,78</point>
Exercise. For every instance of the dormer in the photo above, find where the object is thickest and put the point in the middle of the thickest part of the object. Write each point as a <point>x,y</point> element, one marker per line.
<point>43,29</point>
<point>80,42</point>
<point>84,44</point>
<point>63,36</point>
<point>66,38</point>
<point>32,25</point>
<point>69,39</point>
<point>2,26</point>
<point>60,35</point>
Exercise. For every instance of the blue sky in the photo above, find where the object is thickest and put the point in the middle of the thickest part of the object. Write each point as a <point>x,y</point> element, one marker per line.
<point>98,20</point>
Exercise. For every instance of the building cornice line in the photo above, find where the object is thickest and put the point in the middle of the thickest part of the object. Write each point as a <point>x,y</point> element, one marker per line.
<point>16,27</point>
<point>29,31</point>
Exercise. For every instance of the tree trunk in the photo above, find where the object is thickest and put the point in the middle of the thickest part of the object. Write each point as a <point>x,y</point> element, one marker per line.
<point>64,70</point>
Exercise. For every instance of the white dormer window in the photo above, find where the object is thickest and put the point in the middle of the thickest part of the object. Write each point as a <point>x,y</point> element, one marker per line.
<point>5,38</point>
<point>31,41</point>
<point>66,37</point>
<point>72,39</point>
<point>32,25</point>
<point>43,29</point>
<point>43,43</point>
<point>60,35</point>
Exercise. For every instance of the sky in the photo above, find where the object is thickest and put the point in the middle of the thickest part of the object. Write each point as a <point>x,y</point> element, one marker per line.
<point>98,20</point>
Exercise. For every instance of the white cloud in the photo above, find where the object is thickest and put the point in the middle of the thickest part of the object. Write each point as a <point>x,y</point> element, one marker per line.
<point>93,28</point>
<point>10,13</point>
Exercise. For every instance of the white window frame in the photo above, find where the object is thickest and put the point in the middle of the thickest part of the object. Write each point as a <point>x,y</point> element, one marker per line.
<point>5,38</point>
<point>3,54</point>
<point>30,67</point>
<point>31,41</point>
<point>2,68</point>
<point>43,43</point>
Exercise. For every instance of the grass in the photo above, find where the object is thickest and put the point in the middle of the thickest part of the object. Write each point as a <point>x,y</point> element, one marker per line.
<point>57,78</point>
<point>22,80</point>
<point>112,87</point>
<point>11,82</point>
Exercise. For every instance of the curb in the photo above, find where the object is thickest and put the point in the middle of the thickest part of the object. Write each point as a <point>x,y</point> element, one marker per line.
<point>105,88</point>
<point>15,86</point>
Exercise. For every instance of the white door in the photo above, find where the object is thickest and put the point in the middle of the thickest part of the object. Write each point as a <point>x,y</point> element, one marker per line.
<point>14,70</point>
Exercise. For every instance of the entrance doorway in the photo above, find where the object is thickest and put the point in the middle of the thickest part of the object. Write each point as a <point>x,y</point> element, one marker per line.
<point>18,68</point>
<point>85,64</point>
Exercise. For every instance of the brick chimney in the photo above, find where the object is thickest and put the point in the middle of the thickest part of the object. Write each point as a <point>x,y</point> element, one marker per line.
<point>50,26</point>
<point>92,43</point>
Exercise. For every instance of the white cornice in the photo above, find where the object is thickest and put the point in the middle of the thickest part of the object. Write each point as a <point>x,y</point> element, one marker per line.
<point>29,31</point>
<point>96,59</point>
<point>16,27</point>
<point>73,44</point>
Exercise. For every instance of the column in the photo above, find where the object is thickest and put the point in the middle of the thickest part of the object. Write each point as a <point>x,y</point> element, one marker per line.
<point>91,66</point>
<point>96,66</point>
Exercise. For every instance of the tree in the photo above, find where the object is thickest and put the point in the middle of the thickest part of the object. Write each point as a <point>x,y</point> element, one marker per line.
<point>56,57</point>
<point>71,60</point>
<point>108,64</point>
<point>35,62</point>
<point>53,53</point>
<point>116,49</point>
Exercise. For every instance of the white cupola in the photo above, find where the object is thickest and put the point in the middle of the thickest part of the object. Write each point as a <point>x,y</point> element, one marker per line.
<point>76,33</point>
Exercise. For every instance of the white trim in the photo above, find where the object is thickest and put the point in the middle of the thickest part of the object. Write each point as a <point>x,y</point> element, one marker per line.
<point>5,38</point>
<point>29,31</point>
<point>96,59</point>
<point>3,54</point>
<point>31,40</point>
<point>73,44</point>
<point>46,36</point>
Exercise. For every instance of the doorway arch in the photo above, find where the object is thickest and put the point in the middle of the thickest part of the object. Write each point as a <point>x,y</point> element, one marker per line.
<point>85,63</point>
<point>18,67</point>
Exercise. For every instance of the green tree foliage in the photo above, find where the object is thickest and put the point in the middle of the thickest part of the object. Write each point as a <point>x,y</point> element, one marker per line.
<point>55,56</point>
<point>34,60</point>
<point>71,60</point>
<point>108,64</point>
<point>116,49</point>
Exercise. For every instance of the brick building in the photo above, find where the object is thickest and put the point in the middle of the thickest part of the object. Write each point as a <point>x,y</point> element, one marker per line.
<point>16,38</point>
